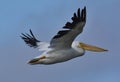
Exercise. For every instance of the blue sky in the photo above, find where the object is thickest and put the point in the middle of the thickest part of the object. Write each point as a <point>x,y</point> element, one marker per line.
<point>45,18</point>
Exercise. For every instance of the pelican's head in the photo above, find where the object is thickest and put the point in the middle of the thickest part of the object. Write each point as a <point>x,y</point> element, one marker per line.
<point>88,47</point>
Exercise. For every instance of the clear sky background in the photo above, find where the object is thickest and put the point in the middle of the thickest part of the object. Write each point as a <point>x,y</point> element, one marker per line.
<point>45,18</point>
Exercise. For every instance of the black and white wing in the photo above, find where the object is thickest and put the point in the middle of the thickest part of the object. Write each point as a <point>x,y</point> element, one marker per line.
<point>64,38</point>
<point>31,40</point>
<point>71,30</point>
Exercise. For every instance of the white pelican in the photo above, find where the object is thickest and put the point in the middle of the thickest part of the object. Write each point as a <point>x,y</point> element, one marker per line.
<point>61,47</point>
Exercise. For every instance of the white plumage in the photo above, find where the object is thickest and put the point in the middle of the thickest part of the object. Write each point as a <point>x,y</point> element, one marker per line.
<point>54,55</point>
<point>61,47</point>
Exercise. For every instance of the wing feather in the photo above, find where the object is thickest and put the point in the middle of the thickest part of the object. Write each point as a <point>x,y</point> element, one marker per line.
<point>64,38</point>
<point>30,39</point>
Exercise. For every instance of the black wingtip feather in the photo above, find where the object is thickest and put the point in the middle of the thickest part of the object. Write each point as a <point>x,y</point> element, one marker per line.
<point>32,33</point>
<point>78,12</point>
<point>83,14</point>
<point>30,39</point>
<point>80,16</point>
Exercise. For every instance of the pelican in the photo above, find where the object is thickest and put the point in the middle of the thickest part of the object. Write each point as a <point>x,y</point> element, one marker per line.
<point>62,46</point>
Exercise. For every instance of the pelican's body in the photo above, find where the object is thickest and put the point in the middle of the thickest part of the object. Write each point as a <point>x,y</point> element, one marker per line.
<point>62,46</point>
<point>60,55</point>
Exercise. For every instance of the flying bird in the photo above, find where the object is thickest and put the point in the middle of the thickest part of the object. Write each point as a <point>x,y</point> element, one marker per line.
<point>62,46</point>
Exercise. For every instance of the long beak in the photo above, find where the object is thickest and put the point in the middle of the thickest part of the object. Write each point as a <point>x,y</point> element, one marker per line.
<point>91,48</point>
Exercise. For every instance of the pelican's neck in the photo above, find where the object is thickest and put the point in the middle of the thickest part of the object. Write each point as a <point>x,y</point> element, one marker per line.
<point>75,47</point>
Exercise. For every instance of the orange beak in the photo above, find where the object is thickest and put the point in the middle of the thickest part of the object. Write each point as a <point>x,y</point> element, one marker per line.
<point>91,47</point>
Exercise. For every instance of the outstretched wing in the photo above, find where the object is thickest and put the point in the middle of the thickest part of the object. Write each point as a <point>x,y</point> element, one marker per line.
<point>33,42</point>
<point>30,39</point>
<point>64,38</point>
